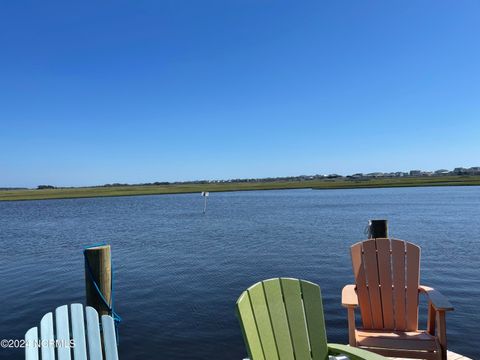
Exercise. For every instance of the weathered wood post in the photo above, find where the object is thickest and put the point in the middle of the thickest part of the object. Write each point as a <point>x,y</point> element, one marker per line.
<point>377,229</point>
<point>98,269</point>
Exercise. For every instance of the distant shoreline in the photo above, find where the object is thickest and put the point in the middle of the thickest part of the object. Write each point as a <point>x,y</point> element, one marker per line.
<point>324,184</point>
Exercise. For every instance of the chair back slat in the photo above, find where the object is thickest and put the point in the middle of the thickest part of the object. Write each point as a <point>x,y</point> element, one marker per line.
<point>249,327</point>
<point>262,319</point>
<point>31,344</point>
<point>361,285</point>
<point>109,338</point>
<point>399,284</point>
<point>62,333</point>
<point>387,278</point>
<point>78,332</point>
<point>93,334</point>
<point>296,318</point>
<point>373,282</point>
<point>413,282</point>
<point>283,319</point>
<point>278,317</point>
<point>317,334</point>
<point>385,274</point>
<point>47,339</point>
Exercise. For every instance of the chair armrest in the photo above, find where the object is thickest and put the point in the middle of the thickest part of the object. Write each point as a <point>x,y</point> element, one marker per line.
<point>439,302</point>
<point>349,296</point>
<point>353,353</point>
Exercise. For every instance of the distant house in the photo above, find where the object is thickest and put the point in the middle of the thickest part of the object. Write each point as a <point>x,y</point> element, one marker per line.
<point>442,172</point>
<point>415,172</point>
<point>357,176</point>
<point>333,176</point>
<point>475,170</point>
<point>375,174</point>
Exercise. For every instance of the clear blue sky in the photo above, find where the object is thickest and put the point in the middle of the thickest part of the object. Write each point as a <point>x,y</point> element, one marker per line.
<point>140,91</point>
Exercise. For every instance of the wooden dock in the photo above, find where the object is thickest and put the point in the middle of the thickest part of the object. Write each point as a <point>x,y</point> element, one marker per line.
<point>450,356</point>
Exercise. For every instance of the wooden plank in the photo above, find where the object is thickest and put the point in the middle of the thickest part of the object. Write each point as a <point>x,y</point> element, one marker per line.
<point>373,283</point>
<point>109,338</point>
<point>78,332</point>
<point>385,275</point>
<point>361,283</point>
<point>419,334</point>
<point>412,282</point>
<point>425,355</point>
<point>296,318</point>
<point>312,302</point>
<point>278,316</point>
<point>450,356</point>
<point>93,334</point>
<point>398,343</point>
<point>62,333</point>
<point>398,266</point>
<point>31,344</point>
<point>249,327</point>
<point>46,335</point>
<point>262,319</point>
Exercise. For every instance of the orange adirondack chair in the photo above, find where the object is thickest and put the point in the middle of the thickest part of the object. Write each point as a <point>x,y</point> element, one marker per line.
<point>387,288</point>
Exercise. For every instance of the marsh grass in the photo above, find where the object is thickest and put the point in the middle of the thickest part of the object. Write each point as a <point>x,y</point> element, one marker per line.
<point>132,190</point>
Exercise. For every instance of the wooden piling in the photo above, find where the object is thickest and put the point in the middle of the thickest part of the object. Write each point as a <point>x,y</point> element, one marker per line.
<point>98,259</point>
<point>377,229</point>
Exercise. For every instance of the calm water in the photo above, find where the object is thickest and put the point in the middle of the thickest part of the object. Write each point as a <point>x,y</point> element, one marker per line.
<point>178,272</point>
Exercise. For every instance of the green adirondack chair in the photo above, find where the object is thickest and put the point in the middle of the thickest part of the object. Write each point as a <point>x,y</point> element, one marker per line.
<point>282,319</point>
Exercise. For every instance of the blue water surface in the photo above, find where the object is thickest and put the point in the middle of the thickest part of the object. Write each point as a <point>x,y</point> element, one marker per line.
<point>179,272</point>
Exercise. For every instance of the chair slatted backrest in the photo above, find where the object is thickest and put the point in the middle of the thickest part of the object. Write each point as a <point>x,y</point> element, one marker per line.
<point>56,341</point>
<point>282,319</point>
<point>387,275</point>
